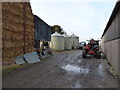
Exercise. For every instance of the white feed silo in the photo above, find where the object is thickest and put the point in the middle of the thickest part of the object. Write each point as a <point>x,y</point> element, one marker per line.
<point>57,42</point>
<point>75,41</point>
<point>67,42</point>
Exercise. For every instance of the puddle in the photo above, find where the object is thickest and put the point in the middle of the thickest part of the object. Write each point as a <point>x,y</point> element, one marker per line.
<point>89,56</point>
<point>79,61</point>
<point>100,66</point>
<point>100,70</point>
<point>76,69</point>
<point>77,85</point>
<point>71,68</point>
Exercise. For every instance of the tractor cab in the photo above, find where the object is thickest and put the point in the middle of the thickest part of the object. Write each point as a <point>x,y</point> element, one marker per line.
<point>91,49</point>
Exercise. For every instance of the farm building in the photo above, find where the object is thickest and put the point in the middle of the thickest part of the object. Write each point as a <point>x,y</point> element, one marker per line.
<point>42,33</point>
<point>111,38</point>
<point>17,30</point>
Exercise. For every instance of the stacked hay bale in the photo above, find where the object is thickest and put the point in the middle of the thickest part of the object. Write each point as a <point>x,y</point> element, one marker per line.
<point>29,29</point>
<point>17,30</point>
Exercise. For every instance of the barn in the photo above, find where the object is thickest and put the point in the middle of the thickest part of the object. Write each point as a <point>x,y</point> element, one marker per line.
<point>42,33</point>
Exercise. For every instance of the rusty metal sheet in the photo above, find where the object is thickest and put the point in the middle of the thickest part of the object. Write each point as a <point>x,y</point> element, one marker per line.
<point>32,57</point>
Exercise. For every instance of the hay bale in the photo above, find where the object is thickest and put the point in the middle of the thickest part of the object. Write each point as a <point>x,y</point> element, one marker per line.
<point>14,41</point>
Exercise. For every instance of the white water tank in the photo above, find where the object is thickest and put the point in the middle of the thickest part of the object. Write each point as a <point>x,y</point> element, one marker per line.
<point>57,42</point>
<point>75,41</point>
<point>67,42</point>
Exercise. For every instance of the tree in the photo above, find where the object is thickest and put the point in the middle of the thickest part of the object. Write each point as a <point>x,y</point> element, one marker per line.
<point>57,28</point>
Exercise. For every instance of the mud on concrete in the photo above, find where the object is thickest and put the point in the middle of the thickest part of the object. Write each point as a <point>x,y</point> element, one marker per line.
<point>63,70</point>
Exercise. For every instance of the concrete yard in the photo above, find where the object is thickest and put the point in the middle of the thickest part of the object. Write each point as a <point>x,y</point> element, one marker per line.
<point>63,70</point>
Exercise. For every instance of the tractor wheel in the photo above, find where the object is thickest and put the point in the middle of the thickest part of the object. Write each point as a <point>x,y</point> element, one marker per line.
<point>98,54</point>
<point>84,54</point>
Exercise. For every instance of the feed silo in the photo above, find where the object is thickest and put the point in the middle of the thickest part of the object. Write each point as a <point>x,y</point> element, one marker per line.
<point>75,41</point>
<point>67,42</point>
<point>57,42</point>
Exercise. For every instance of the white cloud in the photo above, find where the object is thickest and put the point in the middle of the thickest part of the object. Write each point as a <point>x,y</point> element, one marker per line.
<point>14,0</point>
<point>74,1</point>
<point>83,19</point>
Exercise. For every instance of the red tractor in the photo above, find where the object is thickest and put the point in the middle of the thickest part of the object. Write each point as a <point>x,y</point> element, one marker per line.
<point>91,49</point>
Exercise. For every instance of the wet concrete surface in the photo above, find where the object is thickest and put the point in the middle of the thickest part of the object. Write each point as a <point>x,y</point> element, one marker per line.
<point>63,70</point>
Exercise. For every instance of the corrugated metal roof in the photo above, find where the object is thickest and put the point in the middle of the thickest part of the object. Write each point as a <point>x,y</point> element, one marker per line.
<point>115,11</point>
<point>56,34</point>
<point>65,35</point>
<point>73,35</point>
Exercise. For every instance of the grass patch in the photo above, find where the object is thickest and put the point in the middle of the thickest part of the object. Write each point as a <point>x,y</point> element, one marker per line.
<point>114,74</point>
<point>108,62</point>
<point>10,68</point>
<point>57,50</point>
<point>112,71</point>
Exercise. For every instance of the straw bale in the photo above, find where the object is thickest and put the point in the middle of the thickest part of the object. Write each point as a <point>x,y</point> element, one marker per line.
<point>13,37</point>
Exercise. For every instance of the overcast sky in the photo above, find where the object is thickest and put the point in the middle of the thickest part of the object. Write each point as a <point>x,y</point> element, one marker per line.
<point>85,19</point>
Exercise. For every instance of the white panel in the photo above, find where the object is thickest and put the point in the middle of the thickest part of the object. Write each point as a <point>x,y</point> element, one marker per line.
<point>20,60</point>
<point>107,50</point>
<point>32,57</point>
<point>114,54</point>
<point>119,57</point>
<point>119,24</point>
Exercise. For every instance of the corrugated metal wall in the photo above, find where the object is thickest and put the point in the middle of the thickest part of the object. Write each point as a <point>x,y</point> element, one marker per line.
<point>37,28</point>
<point>42,30</point>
